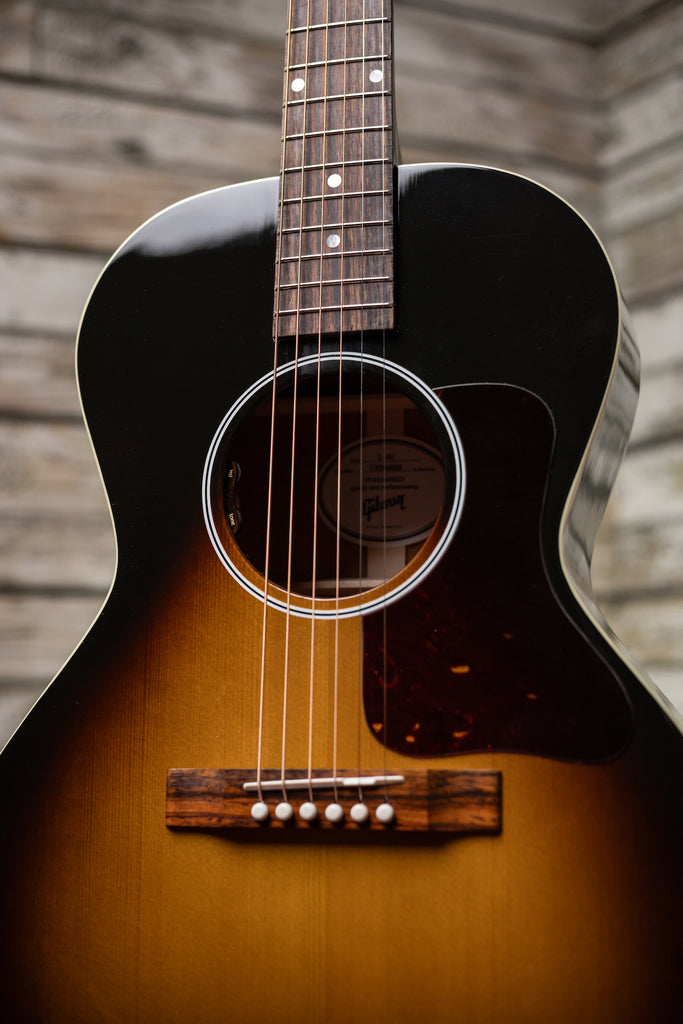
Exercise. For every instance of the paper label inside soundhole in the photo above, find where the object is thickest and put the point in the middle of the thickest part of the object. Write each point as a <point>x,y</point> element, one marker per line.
<point>391,491</point>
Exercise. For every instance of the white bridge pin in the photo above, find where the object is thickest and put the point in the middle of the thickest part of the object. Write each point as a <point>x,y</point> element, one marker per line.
<point>359,813</point>
<point>308,811</point>
<point>284,811</point>
<point>334,813</point>
<point>259,811</point>
<point>385,813</point>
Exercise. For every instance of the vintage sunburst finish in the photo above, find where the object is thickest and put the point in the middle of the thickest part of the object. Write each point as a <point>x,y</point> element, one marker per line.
<point>572,913</point>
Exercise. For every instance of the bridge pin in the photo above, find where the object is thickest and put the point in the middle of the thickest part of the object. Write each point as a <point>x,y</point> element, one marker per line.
<point>359,813</point>
<point>308,811</point>
<point>259,811</point>
<point>334,813</point>
<point>385,813</point>
<point>284,811</point>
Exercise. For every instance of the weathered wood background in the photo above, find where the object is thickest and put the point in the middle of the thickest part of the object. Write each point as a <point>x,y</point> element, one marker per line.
<point>112,109</point>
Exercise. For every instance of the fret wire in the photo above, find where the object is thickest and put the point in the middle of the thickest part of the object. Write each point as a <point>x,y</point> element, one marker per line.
<point>340,163</point>
<point>338,131</point>
<point>337,24</point>
<point>337,195</point>
<point>341,224</point>
<point>336,309</point>
<point>337,60</point>
<point>337,281</point>
<point>339,96</point>
<point>336,254</point>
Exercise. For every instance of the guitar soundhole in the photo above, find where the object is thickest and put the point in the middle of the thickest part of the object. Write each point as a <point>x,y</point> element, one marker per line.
<point>375,483</point>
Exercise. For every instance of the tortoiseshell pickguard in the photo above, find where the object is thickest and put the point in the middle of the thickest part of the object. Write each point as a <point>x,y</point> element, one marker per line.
<point>481,656</point>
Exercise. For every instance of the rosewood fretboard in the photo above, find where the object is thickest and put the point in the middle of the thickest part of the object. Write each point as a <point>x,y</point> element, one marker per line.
<point>334,263</point>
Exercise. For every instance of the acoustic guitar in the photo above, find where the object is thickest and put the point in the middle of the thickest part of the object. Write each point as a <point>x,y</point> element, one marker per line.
<point>350,740</point>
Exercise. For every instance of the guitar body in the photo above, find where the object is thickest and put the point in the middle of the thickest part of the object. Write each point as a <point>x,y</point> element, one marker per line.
<point>508,310</point>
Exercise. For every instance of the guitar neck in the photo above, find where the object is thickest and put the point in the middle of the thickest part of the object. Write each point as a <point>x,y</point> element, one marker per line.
<point>334,260</point>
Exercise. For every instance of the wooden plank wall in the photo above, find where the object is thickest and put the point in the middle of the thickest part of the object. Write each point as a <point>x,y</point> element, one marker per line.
<point>112,109</point>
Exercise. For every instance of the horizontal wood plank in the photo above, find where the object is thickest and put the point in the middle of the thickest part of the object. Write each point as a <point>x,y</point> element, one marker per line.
<point>38,633</point>
<point>637,558</point>
<point>226,69</point>
<point>649,257</point>
<point>642,120</point>
<point>454,114</point>
<point>650,50</point>
<point>48,468</point>
<point>659,332</point>
<point>94,207</point>
<point>259,18</point>
<point>649,487</point>
<point>581,17</point>
<point>266,17</point>
<point>650,629</point>
<point>435,46</point>
<point>659,417</point>
<point>61,553</point>
<point>63,281</point>
<point>109,131</point>
<point>37,376</point>
<point>17,26</point>
<point>645,191</point>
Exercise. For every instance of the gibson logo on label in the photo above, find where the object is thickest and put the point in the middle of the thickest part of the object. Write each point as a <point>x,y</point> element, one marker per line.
<point>401,478</point>
<point>372,505</point>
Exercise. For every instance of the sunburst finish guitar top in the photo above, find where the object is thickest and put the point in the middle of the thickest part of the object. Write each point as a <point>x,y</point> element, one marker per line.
<point>349,740</point>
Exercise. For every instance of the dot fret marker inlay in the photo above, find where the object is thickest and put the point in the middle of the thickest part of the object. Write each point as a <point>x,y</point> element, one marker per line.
<point>336,191</point>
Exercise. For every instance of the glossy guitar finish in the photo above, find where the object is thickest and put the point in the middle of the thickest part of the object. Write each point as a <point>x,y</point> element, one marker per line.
<point>574,911</point>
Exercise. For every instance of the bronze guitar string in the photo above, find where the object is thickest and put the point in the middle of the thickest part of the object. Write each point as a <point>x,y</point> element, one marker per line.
<point>276,334</point>
<point>295,395</point>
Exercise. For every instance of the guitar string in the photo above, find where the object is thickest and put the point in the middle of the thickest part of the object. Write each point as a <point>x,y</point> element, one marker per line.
<point>316,469</point>
<point>337,594</point>
<point>269,489</point>
<point>359,700</point>
<point>295,410</point>
<point>385,708</point>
